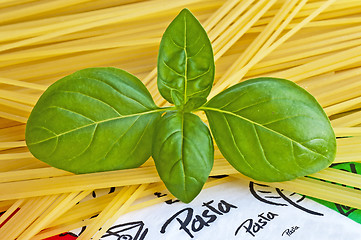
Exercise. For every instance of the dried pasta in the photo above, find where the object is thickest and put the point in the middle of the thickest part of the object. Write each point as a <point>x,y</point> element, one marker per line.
<point>315,43</point>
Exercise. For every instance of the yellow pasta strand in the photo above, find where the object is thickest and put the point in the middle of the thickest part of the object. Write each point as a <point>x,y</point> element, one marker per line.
<point>52,213</point>
<point>314,43</point>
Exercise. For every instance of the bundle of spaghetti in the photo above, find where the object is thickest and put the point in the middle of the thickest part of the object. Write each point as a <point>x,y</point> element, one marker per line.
<point>315,43</point>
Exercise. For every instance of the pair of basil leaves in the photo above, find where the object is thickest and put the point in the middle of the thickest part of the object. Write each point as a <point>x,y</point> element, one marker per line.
<point>102,119</point>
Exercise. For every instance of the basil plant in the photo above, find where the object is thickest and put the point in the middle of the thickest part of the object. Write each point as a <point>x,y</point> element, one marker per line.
<point>102,119</point>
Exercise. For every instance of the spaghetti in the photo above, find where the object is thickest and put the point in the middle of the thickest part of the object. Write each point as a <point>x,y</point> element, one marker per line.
<point>315,43</point>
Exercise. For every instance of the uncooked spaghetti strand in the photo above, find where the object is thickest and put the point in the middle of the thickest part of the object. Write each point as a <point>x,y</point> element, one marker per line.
<point>223,83</point>
<point>9,145</point>
<point>37,71</point>
<point>29,174</point>
<point>52,213</point>
<point>219,14</point>
<point>58,200</point>
<point>14,207</point>
<point>339,176</point>
<point>347,131</point>
<point>113,206</point>
<point>334,62</point>
<point>46,25</point>
<point>36,9</point>
<point>26,206</point>
<point>228,20</point>
<point>322,81</point>
<point>30,216</point>
<point>312,52</point>
<point>308,19</point>
<point>342,97</point>
<point>20,221</point>
<point>73,183</point>
<point>5,205</point>
<point>351,150</point>
<point>318,189</point>
<point>13,117</point>
<point>332,11</point>
<point>144,9</point>
<point>61,229</point>
<point>261,38</point>
<point>345,159</point>
<point>23,84</point>
<point>353,85</point>
<point>25,109</point>
<point>63,184</point>
<point>337,37</point>
<point>347,141</point>
<point>9,3</point>
<point>350,120</point>
<point>59,226</point>
<point>21,164</point>
<point>114,216</point>
<point>321,39</point>
<point>167,195</point>
<point>92,46</point>
<point>19,97</point>
<point>238,29</point>
<point>264,52</point>
<point>323,190</point>
<point>83,210</point>
<point>14,156</point>
<point>39,27</point>
<point>332,22</point>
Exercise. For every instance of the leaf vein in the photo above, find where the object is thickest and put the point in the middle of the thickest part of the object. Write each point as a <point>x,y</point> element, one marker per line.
<point>260,125</point>
<point>285,118</point>
<point>200,49</point>
<point>203,90</point>
<point>193,145</point>
<point>68,110</point>
<point>262,149</point>
<point>234,141</point>
<point>173,166</point>
<point>177,73</point>
<point>140,138</point>
<point>258,103</point>
<point>183,154</point>
<point>86,95</point>
<point>171,88</point>
<point>102,121</point>
<point>186,63</point>
<point>182,47</point>
<point>234,100</point>
<point>87,147</point>
<point>200,75</point>
<point>117,91</point>
<point>166,139</point>
<point>116,141</point>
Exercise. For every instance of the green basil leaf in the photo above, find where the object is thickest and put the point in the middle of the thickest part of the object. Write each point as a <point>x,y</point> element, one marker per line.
<point>185,62</point>
<point>183,154</point>
<point>271,129</point>
<point>96,119</point>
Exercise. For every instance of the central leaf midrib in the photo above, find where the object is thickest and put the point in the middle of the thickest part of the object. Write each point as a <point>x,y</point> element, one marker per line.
<point>186,60</point>
<point>260,125</point>
<point>182,152</point>
<point>96,123</point>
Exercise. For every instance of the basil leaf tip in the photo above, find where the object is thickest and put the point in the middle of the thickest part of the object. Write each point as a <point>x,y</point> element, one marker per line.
<point>185,63</point>
<point>183,153</point>
<point>101,119</point>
